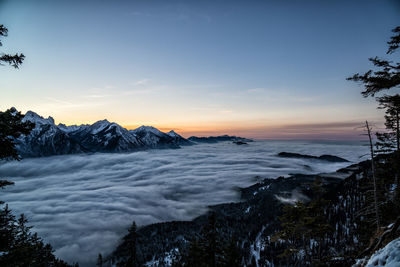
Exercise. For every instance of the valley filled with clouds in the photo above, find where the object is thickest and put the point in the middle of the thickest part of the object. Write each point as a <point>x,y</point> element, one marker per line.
<point>75,201</point>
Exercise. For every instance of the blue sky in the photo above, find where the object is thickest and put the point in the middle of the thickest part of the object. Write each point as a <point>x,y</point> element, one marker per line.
<point>264,69</point>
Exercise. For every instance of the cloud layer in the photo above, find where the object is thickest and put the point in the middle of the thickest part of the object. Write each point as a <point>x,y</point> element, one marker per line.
<point>83,204</point>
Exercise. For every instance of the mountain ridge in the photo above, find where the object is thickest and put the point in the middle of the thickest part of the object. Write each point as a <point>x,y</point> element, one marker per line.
<point>48,138</point>
<point>220,138</point>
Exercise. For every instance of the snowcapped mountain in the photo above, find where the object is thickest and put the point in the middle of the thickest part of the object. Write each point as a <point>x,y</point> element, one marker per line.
<point>104,136</point>
<point>38,120</point>
<point>71,128</point>
<point>179,139</point>
<point>47,138</point>
<point>154,138</point>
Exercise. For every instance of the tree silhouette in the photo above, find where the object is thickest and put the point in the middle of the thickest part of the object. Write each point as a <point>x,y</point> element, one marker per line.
<point>13,60</point>
<point>131,240</point>
<point>11,127</point>
<point>386,76</point>
<point>100,260</point>
<point>387,73</point>
<point>390,140</point>
<point>19,246</point>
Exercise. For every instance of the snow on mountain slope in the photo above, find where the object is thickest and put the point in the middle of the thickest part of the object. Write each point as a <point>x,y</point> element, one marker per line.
<point>173,134</point>
<point>148,129</point>
<point>105,136</point>
<point>154,138</point>
<point>47,138</point>
<point>99,126</point>
<point>71,128</point>
<point>179,139</point>
<point>38,120</point>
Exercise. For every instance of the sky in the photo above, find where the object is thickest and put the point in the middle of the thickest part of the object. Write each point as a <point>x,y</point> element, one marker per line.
<point>259,69</point>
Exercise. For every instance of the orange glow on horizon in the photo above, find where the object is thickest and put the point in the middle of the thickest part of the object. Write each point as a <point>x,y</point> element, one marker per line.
<point>282,129</point>
<point>328,131</point>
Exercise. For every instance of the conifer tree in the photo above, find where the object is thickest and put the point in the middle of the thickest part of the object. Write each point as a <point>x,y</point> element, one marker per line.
<point>294,231</point>
<point>21,247</point>
<point>131,245</point>
<point>317,221</point>
<point>11,127</point>
<point>390,141</point>
<point>387,74</point>
<point>7,228</point>
<point>208,249</point>
<point>195,255</point>
<point>13,60</point>
<point>100,260</point>
<point>304,222</point>
<point>210,241</point>
<point>232,257</point>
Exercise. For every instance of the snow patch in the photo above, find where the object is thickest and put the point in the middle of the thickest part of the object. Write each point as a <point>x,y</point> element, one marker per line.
<point>389,256</point>
<point>295,196</point>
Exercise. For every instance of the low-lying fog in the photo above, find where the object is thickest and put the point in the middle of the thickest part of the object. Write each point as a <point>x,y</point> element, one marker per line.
<point>83,204</point>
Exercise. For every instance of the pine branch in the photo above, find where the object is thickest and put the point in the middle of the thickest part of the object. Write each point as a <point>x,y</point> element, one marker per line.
<point>394,43</point>
<point>13,60</point>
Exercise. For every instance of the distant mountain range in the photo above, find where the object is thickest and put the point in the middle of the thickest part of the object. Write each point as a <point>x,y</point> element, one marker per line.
<point>215,139</point>
<point>48,138</point>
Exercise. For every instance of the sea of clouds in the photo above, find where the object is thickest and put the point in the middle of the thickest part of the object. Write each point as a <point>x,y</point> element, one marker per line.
<point>83,204</point>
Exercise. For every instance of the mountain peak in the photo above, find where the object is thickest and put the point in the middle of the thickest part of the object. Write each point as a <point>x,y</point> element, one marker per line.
<point>37,119</point>
<point>172,133</point>
<point>105,121</point>
<point>98,126</point>
<point>145,128</point>
<point>13,111</point>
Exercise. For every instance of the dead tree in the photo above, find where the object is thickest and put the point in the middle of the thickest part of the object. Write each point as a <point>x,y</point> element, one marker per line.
<point>373,175</point>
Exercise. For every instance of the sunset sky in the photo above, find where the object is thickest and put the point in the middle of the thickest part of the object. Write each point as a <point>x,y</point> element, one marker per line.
<point>261,69</point>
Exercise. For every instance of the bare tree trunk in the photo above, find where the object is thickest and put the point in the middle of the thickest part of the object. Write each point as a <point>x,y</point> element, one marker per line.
<point>397,130</point>
<point>373,175</point>
<point>396,182</point>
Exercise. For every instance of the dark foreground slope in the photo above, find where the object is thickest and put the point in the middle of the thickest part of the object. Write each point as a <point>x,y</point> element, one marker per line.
<point>254,222</point>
